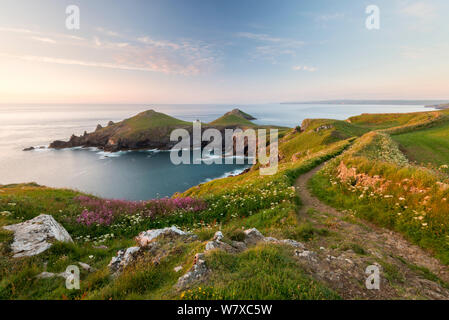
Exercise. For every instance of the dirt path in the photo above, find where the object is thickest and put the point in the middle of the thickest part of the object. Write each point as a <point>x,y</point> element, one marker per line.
<point>342,257</point>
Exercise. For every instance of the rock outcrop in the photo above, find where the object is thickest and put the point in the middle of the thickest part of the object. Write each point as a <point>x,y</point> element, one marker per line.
<point>123,258</point>
<point>147,242</point>
<point>252,237</point>
<point>146,237</point>
<point>36,235</point>
<point>195,274</point>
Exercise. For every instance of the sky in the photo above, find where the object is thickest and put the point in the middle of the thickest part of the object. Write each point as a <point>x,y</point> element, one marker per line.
<point>222,51</point>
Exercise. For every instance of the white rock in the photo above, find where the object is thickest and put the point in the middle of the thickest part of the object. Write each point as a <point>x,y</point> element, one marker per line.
<point>48,275</point>
<point>216,244</point>
<point>123,258</point>
<point>271,240</point>
<point>178,268</point>
<point>32,237</point>
<point>145,237</point>
<point>293,243</point>
<point>86,267</point>
<point>253,236</point>
<point>45,275</point>
<point>218,236</point>
<point>309,255</point>
<point>196,273</point>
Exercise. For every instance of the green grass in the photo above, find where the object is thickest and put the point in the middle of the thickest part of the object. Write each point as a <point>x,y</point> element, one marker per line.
<point>151,119</point>
<point>426,146</point>
<point>403,197</point>
<point>391,120</point>
<point>232,120</point>
<point>267,203</point>
<point>262,272</point>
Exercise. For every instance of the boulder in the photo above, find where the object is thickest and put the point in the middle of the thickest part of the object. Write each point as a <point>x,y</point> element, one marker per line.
<point>196,273</point>
<point>253,236</point>
<point>219,245</point>
<point>36,235</point>
<point>86,267</point>
<point>218,236</point>
<point>177,269</point>
<point>308,255</point>
<point>123,258</point>
<point>146,237</point>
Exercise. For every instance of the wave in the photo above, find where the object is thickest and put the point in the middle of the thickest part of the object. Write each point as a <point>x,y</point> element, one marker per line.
<point>106,154</point>
<point>234,172</point>
<point>41,148</point>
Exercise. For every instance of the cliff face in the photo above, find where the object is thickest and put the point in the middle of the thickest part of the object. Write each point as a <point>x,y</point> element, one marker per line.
<point>147,130</point>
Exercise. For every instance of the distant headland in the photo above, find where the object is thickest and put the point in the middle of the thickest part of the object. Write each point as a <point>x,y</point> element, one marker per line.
<point>149,130</point>
<point>429,103</point>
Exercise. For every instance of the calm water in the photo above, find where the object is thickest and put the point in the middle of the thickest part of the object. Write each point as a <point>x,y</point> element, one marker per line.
<point>128,175</point>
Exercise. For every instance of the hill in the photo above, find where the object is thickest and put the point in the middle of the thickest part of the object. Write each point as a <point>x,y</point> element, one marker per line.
<point>148,130</point>
<point>235,117</point>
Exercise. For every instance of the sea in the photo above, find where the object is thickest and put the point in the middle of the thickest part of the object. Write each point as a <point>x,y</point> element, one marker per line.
<point>130,175</point>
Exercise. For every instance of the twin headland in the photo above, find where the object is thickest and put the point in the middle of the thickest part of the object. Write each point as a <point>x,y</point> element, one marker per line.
<point>149,130</point>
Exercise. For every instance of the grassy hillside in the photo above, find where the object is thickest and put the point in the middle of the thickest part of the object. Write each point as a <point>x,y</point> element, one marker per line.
<point>235,117</point>
<point>367,176</point>
<point>374,180</point>
<point>390,120</point>
<point>427,146</point>
<point>152,119</point>
<point>145,122</point>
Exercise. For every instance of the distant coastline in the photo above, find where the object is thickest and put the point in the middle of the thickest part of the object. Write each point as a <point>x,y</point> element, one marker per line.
<point>427,103</point>
<point>439,106</point>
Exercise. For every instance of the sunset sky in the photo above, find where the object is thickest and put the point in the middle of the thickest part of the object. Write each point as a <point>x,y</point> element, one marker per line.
<point>211,51</point>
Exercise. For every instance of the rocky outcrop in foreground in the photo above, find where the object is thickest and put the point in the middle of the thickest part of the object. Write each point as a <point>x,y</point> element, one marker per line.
<point>36,235</point>
<point>148,242</point>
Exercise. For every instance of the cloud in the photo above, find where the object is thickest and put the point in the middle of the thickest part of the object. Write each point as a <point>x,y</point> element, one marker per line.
<point>329,17</point>
<point>17,30</point>
<point>158,43</point>
<point>124,52</point>
<point>108,32</point>
<point>269,47</point>
<point>46,40</point>
<point>78,62</point>
<point>420,10</point>
<point>304,68</point>
<point>267,38</point>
